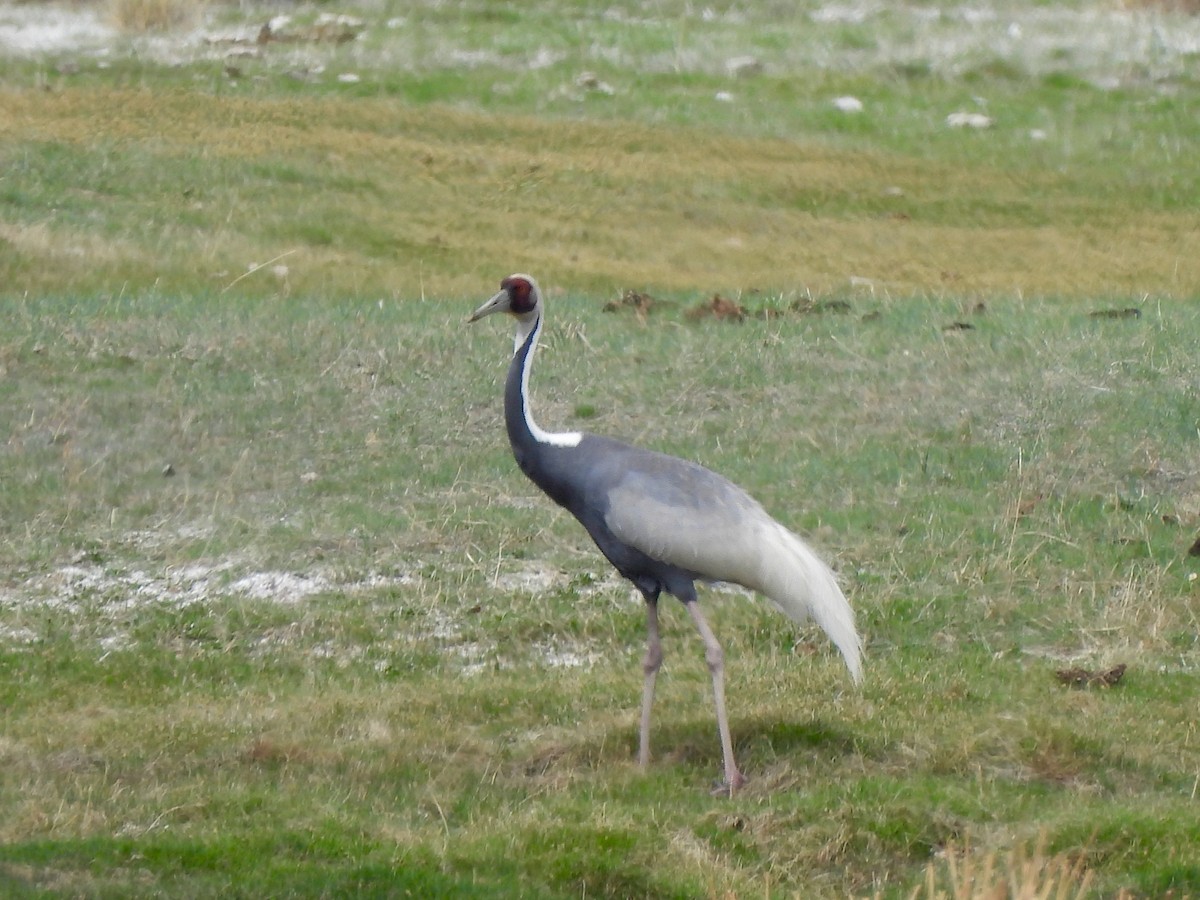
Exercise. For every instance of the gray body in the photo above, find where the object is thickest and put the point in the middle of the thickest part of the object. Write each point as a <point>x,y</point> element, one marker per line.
<point>620,493</point>
<point>630,500</point>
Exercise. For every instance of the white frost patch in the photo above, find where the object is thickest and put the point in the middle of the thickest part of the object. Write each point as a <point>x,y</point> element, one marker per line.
<point>76,587</point>
<point>115,642</point>
<point>70,587</point>
<point>1103,43</point>
<point>477,657</point>
<point>282,587</point>
<point>1096,42</point>
<point>544,59</point>
<point>42,28</point>
<point>17,635</point>
<point>728,587</point>
<point>534,579</point>
<point>474,658</point>
<point>474,655</point>
<point>843,14</point>
<point>559,657</point>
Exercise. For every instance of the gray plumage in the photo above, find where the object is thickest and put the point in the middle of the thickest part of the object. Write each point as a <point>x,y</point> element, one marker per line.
<point>665,523</point>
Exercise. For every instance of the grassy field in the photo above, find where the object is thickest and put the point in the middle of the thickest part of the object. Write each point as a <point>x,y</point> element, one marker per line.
<point>280,617</point>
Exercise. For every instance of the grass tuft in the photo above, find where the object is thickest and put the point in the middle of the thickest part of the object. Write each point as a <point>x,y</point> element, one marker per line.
<point>138,16</point>
<point>1020,874</point>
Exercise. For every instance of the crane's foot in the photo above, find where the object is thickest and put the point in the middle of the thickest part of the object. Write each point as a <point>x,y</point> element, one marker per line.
<point>728,787</point>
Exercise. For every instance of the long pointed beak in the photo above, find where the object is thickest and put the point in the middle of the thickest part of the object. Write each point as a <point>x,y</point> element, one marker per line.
<point>498,303</point>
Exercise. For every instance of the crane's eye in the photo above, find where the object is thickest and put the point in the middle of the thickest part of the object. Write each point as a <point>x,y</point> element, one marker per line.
<point>520,293</point>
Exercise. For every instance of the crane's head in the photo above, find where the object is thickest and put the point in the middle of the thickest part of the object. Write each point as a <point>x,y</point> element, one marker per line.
<point>518,295</point>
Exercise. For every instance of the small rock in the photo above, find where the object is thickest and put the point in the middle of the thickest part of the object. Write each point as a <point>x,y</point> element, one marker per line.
<point>590,81</point>
<point>968,120</point>
<point>743,66</point>
<point>848,104</point>
<point>168,471</point>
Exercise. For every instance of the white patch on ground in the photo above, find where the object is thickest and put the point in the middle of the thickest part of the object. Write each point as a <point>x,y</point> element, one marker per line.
<point>114,642</point>
<point>282,587</point>
<point>736,590</point>
<point>474,656</point>
<point>558,656</point>
<point>475,659</point>
<point>27,29</point>
<point>97,599</point>
<point>534,578</point>
<point>1103,43</point>
<point>77,587</point>
<point>17,635</point>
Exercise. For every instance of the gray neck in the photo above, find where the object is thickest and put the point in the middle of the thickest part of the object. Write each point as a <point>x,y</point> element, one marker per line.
<point>524,433</point>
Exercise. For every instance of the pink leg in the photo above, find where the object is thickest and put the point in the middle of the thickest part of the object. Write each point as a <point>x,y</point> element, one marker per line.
<point>650,666</point>
<point>715,657</point>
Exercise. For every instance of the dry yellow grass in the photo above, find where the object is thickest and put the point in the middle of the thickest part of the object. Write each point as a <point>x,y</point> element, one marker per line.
<point>1021,874</point>
<point>153,15</point>
<point>431,200</point>
<point>1191,7</point>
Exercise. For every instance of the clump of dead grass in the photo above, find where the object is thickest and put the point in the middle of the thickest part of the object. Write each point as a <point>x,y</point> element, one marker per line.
<point>137,16</point>
<point>1021,874</point>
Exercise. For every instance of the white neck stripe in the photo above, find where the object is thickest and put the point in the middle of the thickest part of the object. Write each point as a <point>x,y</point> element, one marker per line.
<point>551,438</point>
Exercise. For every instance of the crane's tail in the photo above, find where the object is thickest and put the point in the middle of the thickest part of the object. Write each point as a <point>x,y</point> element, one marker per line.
<point>799,583</point>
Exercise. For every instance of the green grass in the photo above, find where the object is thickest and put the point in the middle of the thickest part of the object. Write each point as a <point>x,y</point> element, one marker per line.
<point>280,617</point>
<point>992,517</point>
<point>427,174</point>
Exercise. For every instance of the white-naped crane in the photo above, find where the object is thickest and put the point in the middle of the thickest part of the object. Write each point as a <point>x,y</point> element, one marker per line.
<point>664,523</point>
